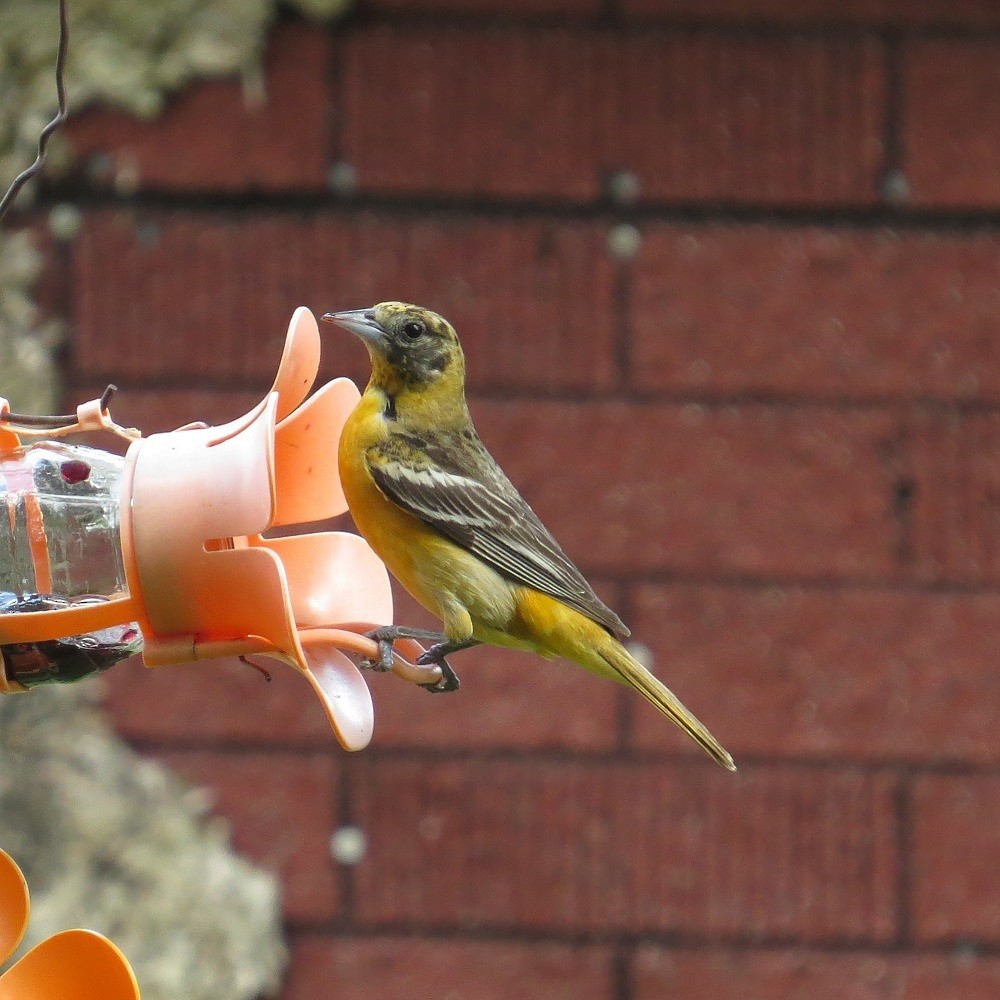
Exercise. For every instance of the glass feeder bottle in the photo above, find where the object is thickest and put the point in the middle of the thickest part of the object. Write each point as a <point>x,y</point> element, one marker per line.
<point>60,545</point>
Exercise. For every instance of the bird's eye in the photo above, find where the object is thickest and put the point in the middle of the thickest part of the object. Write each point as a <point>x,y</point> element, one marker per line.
<point>414,328</point>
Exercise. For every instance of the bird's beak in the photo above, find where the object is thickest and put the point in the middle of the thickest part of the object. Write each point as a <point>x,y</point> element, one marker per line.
<point>361,322</point>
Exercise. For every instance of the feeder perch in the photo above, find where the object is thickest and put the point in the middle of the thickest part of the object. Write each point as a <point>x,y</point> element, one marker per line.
<point>177,551</point>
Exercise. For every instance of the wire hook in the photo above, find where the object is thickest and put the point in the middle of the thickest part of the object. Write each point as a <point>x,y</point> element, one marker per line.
<point>25,175</point>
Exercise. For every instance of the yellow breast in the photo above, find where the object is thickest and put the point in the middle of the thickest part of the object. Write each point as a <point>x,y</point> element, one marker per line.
<point>389,530</point>
<point>446,579</point>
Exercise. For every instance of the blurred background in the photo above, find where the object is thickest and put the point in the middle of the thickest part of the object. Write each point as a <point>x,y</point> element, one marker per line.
<point>728,278</point>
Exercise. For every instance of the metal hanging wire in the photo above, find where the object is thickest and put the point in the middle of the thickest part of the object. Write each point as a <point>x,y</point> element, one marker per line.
<point>43,140</point>
<point>30,419</point>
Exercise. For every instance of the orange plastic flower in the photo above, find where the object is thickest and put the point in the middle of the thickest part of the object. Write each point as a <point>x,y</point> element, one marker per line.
<point>206,569</point>
<point>72,965</point>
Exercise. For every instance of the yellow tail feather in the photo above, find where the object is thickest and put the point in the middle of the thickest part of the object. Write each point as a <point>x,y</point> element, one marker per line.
<point>630,671</point>
<point>547,626</point>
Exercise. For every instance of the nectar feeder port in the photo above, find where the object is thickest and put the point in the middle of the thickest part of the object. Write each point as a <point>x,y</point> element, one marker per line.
<point>176,550</point>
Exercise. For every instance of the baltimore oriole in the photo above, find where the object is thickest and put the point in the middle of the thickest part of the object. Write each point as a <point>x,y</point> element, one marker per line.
<point>439,511</point>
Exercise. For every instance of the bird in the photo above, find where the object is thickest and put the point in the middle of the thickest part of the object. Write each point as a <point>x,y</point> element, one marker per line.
<point>452,528</point>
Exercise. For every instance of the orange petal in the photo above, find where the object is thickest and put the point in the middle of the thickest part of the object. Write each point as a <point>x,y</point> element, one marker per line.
<point>13,906</point>
<point>343,692</point>
<point>299,361</point>
<point>333,576</point>
<point>305,455</point>
<point>73,965</point>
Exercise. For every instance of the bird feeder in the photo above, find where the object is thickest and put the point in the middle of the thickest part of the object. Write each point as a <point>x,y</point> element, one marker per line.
<point>192,546</point>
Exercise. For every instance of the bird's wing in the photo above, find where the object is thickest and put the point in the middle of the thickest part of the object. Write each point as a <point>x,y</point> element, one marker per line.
<point>462,493</point>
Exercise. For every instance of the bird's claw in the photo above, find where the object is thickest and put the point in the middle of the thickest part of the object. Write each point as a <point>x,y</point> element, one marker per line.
<point>384,638</point>
<point>449,679</point>
<point>386,635</point>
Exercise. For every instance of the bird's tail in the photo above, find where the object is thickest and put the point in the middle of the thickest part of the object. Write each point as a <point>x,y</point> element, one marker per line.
<point>625,668</point>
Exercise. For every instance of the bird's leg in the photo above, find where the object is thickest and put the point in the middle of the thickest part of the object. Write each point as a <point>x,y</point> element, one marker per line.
<point>386,635</point>
<point>436,654</point>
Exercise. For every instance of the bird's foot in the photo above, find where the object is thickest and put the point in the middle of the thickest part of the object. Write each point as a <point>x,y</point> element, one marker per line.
<point>385,637</point>
<point>436,656</point>
<point>384,643</point>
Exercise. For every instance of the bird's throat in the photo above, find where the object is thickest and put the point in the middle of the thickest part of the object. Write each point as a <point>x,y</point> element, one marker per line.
<point>419,406</point>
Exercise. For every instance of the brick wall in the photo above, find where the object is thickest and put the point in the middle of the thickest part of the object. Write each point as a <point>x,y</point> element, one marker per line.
<point>766,421</point>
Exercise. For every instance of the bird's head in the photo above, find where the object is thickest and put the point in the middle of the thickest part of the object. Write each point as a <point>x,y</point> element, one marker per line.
<point>412,349</point>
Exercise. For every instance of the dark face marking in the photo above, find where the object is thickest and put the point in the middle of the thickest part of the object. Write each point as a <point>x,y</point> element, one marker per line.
<point>440,362</point>
<point>418,352</point>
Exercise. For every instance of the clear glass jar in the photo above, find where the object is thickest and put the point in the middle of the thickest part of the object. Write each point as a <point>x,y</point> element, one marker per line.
<point>60,544</point>
<point>66,497</point>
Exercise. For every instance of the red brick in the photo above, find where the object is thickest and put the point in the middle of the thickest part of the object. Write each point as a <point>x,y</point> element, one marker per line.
<point>281,810</point>
<point>845,673</point>
<point>816,312</point>
<point>810,975</point>
<point>747,490</point>
<point>212,137</point>
<point>692,116</point>
<point>359,969</point>
<point>951,89</point>
<point>900,13</point>
<point>953,462</point>
<point>195,294</point>
<point>955,842</point>
<point>577,847</point>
